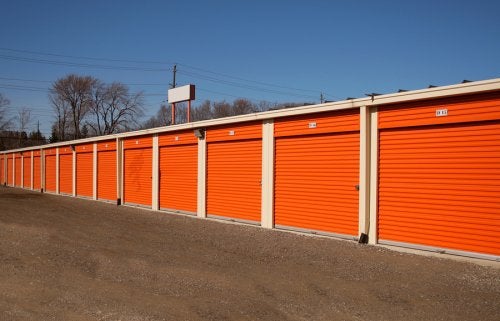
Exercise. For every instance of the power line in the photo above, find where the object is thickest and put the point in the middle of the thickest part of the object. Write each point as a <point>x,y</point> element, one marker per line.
<point>88,58</point>
<point>231,83</point>
<point>149,62</point>
<point>74,64</point>
<point>30,88</point>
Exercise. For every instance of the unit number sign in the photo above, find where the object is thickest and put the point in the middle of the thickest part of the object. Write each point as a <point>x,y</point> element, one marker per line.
<point>441,112</point>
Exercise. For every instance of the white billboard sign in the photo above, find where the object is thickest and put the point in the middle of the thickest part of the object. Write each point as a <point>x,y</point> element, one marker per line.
<point>179,94</point>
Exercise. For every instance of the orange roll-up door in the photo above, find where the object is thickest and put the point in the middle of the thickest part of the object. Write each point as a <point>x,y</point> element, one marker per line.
<point>234,171</point>
<point>138,170</point>
<point>316,172</point>
<point>50,170</point>
<point>10,169</point>
<point>439,180</point>
<point>178,171</point>
<point>85,170</point>
<point>36,171</point>
<point>27,170</point>
<point>18,170</point>
<point>65,170</point>
<point>106,171</point>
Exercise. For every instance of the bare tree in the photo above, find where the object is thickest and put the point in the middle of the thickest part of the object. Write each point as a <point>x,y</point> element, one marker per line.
<point>221,109</point>
<point>4,122</point>
<point>76,92</point>
<point>242,106</point>
<point>62,113</point>
<point>162,118</point>
<point>114,108</point>
<point>23,118</point>
<point>202,112</point>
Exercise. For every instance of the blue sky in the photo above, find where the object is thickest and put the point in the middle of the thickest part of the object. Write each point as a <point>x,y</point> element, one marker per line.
<point>279,51</point>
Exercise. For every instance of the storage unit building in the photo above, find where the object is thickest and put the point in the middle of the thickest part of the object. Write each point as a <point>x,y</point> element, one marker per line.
<point>439,174</point>
<point>50,170</point>
<point>234,171</point>
<point>106,170</point>
<point>418,169</point>
<point>138,170</point>
<point>84,170</point>
<point>178,171</point>
<point>317,172</point>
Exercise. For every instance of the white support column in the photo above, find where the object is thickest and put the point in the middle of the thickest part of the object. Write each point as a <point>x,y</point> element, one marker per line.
<point>267,182</point>
<point>22,170</point>
<point>13,169</point>
<point>42,170</point>
<point>372,234</point>
<point>364,170</point>
<point>57,170</point>
<point>32,180</point>
<point>155,202</point>
<point>202,177</point>
<point>74,170</point>
<point>94,173</point>
<point>119,171</point>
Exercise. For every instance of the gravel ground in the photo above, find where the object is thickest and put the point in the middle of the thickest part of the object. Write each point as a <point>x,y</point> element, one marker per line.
<point>71,259</point>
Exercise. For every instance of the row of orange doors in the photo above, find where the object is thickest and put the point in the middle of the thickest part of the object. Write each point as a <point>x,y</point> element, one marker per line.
<point>313,190</point>
<point>438,177</point>
<point>84,170</point>
<point>438,180</point>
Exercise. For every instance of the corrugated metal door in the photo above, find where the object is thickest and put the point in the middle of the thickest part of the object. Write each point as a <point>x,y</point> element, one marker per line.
<point>138,170</point>
<point>85,170</point>
<point>50,170</point>
<point>27,170</point>
<point>439,180</point>
<point>65,170</point>
<point>37,181</point>
<point>234,171</point>
<point>18,168</point>
<point>316,172</point>
<point>10,169</point>
<point>178,171</point>
<point>106,171</point>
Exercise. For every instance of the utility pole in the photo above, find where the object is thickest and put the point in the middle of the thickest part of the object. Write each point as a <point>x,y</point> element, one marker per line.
<point>173,84</point>
<point>38,132</point>
<point>321,98</point>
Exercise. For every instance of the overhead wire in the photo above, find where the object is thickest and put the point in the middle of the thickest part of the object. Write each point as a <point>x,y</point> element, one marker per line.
<point>150,69</point>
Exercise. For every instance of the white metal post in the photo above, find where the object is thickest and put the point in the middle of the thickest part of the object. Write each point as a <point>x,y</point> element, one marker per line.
<point>42,170</point>
<point>155,204</point>
<point>267,182</point>
<point>364,170</point>
<point>57,170</point>
<point>13,169</point>
<point>202,178</point>
<point>119,171</point>
<point>74,170</point>
<point>32,180</point>
<point>22,170</point>
<point>94,172</point>
<point>372,234</point>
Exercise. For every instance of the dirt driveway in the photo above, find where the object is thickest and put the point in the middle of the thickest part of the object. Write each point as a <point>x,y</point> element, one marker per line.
<point>70,259</point>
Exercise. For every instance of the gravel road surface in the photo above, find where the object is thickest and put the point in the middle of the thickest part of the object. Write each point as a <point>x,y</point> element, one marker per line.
<point>63,258</point>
